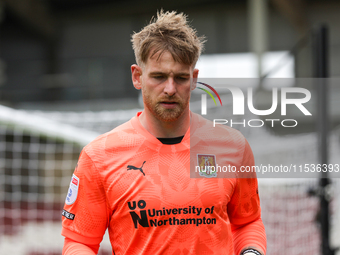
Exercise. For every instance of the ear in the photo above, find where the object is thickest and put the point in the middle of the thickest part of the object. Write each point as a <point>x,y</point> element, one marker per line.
<point>136,73</point>
<point>194,78</point>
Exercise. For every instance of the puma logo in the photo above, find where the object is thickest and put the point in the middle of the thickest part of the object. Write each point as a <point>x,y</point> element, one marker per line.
<point>130,167</point>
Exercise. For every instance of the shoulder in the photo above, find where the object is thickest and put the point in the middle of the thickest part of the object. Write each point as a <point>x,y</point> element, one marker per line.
<point>103,145</point>
<point>214,130</point>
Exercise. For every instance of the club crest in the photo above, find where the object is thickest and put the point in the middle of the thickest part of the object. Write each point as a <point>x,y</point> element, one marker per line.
<point>207,165</point>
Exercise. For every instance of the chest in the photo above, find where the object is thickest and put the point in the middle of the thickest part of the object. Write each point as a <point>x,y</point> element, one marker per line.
<point>161,184</point>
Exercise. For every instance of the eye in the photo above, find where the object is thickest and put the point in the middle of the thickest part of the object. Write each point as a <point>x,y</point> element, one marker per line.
<point>182,79</point>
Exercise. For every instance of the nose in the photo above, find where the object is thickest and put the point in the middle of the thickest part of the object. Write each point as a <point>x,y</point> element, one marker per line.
<point>170,87</point>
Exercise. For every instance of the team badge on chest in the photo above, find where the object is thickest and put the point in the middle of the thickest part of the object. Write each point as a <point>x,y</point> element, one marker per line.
<point>72,190</point>
<point>207,165</point>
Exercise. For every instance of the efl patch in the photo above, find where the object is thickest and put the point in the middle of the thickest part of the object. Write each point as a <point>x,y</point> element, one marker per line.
<point>68,215</point>
<point>72,190</point>
<point>207,165</point>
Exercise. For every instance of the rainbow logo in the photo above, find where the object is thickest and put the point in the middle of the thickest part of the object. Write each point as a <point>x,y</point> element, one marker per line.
<point>204,97</point>
<point>207,91</point>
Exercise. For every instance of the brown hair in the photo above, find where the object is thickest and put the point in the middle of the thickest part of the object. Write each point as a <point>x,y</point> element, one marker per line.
<point>169,32</point>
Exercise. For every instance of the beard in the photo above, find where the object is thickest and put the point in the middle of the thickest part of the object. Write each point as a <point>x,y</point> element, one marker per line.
<point>165,114</point>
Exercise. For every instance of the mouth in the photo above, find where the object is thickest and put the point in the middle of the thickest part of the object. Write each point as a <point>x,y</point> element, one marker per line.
<point>168,104</point>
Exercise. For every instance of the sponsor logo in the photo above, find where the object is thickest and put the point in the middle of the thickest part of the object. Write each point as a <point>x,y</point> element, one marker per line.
<point>68,215</point>
<point>207,165</point>
<point>72,190</point>
<point>151,217</point>
<point>130,167</point>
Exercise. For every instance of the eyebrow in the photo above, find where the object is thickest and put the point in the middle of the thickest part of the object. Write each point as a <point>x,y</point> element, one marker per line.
<point>176,74</point>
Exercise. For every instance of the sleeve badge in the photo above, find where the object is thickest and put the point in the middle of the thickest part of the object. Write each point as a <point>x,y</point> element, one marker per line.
<point>72,191</point>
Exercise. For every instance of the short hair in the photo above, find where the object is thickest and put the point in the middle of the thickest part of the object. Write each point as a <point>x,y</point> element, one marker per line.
<point>169,32</point>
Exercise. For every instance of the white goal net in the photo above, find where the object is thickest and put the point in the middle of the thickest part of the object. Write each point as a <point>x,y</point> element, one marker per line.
<point>38,153</point>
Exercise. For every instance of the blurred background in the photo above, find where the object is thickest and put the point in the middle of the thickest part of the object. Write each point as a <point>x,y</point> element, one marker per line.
<point>65,78</point>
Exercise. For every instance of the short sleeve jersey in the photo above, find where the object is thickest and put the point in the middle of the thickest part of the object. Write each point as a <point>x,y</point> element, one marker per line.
<point>142,191</point>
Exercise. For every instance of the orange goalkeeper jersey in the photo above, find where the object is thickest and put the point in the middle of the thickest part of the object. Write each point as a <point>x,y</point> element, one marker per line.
<point>142,191</point>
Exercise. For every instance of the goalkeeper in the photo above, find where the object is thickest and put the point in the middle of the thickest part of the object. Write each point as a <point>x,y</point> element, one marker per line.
<point>135,180</point>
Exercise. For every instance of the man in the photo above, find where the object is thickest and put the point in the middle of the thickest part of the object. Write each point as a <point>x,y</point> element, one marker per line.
<point>135,180</point>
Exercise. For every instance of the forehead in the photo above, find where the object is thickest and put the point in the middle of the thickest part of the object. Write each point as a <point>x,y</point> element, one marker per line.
<point>164,61</point>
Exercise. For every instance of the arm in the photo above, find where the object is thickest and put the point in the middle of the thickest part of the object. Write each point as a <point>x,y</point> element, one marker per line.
<point>72,247</point>
<point>245,212</point>
<point>251,235</point>
<point>85,215</point>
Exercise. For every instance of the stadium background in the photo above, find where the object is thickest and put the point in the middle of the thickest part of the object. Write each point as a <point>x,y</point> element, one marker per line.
<point>65,78</point>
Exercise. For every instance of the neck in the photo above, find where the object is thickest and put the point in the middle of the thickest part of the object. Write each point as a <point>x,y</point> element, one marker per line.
<point>164,129</point>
